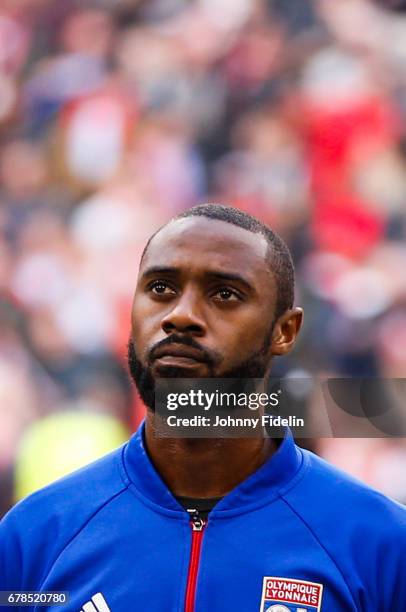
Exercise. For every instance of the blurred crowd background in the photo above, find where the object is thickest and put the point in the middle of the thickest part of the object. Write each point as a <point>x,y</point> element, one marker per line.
<point>117,114</point>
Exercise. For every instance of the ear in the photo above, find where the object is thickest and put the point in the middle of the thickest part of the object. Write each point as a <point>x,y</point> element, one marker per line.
<point>285,331</point>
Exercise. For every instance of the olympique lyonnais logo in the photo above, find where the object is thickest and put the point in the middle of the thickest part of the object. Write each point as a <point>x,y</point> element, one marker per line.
<point>290,595</point>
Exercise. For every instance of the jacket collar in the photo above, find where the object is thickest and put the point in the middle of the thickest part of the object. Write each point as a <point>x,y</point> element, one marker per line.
<point>260,488</point>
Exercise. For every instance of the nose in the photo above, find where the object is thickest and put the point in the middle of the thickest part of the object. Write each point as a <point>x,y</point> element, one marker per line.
<point>185,316</point>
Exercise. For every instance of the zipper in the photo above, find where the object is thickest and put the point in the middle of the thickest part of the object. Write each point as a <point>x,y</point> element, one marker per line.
<point>197,524</point>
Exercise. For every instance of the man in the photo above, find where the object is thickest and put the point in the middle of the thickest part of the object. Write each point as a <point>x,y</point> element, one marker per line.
<point>209,525</point>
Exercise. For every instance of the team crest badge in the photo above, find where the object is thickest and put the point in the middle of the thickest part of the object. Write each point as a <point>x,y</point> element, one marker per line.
<point>290,595</point>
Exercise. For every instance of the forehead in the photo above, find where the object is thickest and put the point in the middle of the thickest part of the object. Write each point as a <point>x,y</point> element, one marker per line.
<point>208,243</point>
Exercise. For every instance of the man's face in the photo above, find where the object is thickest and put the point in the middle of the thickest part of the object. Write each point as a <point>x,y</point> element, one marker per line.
<point>203,306</point>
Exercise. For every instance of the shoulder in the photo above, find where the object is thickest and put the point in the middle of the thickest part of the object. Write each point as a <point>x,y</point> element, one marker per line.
<point>360,529</point>
<point>36,530</point>
<point>70,499</point>
<point>335,493</point>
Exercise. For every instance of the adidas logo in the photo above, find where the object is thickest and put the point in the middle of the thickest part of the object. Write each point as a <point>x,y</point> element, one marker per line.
<point>96,604</point>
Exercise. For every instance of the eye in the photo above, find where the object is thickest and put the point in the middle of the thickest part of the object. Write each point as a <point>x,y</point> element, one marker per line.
<point>225,294</point>
<point>160,287</point>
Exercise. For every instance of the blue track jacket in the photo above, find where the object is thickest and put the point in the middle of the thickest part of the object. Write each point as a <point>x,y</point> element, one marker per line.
<point>297,536</point>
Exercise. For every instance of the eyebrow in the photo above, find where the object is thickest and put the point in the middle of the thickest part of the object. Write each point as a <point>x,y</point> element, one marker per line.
<point>230,276</point>
<point>159,270</point>
<point>218,274</point>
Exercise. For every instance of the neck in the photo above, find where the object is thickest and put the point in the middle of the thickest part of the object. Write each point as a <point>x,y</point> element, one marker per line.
<point>203,468</point>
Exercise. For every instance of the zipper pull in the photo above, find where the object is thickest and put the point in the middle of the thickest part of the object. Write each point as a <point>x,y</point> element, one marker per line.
<point>197,524</point>
<point>196,520</point>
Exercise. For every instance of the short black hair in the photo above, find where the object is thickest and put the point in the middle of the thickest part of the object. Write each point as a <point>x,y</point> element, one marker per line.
<point>279,257</point>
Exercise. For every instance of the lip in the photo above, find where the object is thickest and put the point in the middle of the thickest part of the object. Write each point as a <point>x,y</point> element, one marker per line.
<point>181,354</point>
<point>177,361</point>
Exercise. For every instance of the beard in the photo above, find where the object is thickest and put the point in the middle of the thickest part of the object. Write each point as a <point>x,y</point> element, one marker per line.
<point>254,366</point>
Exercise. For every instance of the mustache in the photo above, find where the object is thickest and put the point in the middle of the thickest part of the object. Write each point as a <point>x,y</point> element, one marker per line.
<point>181,340</point>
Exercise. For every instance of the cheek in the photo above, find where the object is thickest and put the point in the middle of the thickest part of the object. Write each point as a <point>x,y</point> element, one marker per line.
<point>242,338</point>
<point>143,325</point>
